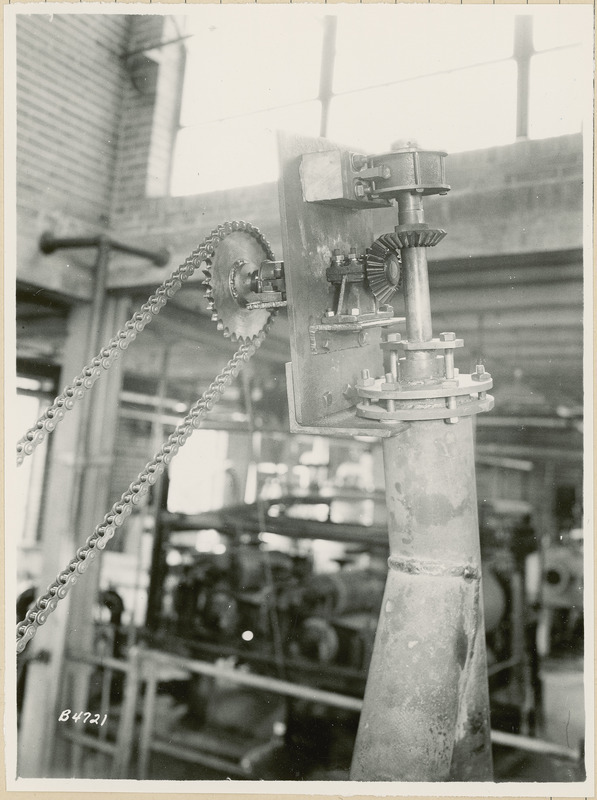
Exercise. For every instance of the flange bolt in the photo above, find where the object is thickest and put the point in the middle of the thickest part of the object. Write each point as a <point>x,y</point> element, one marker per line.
<point>479,374</point>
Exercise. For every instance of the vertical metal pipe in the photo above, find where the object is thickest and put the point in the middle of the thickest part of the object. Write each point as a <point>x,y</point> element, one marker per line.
<point>102,263</point>
<point>326,77</point>
<point>426,708</point>
<point>523,52</point>
<point>416,294</point>
<point>416,278</point>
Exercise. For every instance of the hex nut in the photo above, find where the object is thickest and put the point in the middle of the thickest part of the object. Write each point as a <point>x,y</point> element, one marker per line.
<point>365,384</point>
<point>447,336</point>
<point>480,374</point>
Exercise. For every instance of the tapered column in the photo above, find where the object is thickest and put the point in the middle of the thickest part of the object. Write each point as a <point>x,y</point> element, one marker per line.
<point>426,709</point>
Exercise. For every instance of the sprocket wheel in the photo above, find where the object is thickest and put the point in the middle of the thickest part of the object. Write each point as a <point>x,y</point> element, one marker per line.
<point>236,251</point>
<point>383,267</point>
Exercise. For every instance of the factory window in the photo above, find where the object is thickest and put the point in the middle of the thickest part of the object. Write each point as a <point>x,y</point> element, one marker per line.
<point>416,76</point>
<point>461,114</point>
<point>555,74</point>
<point>198,473</point>
<point>246,77</point>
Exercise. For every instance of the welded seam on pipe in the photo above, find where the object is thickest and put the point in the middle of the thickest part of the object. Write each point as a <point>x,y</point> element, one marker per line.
<point>414,566</point>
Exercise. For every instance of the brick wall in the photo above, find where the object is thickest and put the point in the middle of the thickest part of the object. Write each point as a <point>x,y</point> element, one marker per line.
<point>518,198</point>
<point>69,78</point>
<point>523,198</point>
<point>69,81</point>
<point>96,118</point>
<point>150,110</point>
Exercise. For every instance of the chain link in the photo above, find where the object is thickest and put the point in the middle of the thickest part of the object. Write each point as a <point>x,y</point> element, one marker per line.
<point>103,360</point>
<point>97,541</point>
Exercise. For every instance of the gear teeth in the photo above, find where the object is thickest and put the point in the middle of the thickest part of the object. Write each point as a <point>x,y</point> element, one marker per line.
<point>376,262</point>
<point>419,237</point>
<point>210,247</point>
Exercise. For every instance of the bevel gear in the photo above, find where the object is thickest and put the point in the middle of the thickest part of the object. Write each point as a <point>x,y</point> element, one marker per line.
<point>237,250</point>
<point>383,268</point>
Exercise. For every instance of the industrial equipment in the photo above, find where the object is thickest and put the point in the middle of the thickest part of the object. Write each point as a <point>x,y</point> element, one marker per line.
<point>426,712</point>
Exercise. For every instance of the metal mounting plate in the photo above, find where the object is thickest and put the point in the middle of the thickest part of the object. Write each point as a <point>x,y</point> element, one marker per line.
<point>345,424</point>
<point>310,233</point>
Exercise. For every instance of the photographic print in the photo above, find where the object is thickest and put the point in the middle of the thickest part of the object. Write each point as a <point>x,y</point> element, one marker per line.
<point>298,356</point>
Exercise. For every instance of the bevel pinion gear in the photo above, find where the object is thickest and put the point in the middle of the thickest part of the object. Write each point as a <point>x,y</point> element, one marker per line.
<point>383,267</point>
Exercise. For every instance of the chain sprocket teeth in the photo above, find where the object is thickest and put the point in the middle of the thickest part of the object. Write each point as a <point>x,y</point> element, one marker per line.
<point>233,242</point>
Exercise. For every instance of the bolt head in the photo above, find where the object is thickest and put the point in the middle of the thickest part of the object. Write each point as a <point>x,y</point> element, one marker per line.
<point>365,374</point>
<point>329,312</point>
<point>447,336</point>
<point>359,190</point>
<point>394,337</point>
<point>355,312</point>
<point>480,369</point>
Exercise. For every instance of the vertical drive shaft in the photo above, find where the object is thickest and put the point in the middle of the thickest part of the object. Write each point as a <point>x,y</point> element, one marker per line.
<point>426,709</point>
